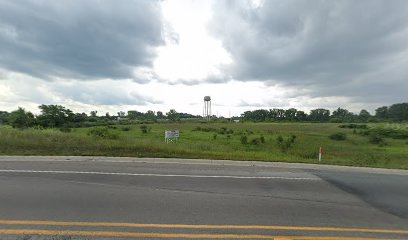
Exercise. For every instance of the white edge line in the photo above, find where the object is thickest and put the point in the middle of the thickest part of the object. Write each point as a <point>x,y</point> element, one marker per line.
<point>156,175</point>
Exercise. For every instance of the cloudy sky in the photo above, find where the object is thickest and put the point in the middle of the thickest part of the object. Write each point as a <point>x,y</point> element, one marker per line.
<point>144,55</point>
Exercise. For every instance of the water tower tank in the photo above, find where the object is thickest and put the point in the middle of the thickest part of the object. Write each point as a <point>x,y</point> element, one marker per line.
<point>207,98</point>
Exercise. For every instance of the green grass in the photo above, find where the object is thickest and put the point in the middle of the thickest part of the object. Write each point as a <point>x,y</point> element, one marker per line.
<point>355,150</point>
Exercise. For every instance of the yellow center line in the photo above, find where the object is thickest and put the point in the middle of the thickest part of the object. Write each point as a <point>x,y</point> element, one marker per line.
<point>163,235</point>
<point>185,226</point>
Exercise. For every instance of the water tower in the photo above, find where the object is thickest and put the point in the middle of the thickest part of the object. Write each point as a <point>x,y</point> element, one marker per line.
<point>207,108</point>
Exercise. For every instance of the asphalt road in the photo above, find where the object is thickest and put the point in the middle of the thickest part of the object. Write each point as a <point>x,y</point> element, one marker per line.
<point>108,198</point>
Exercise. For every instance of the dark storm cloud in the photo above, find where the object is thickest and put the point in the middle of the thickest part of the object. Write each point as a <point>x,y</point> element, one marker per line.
<point>335,48</point>
<point>79,39</point>
<point>101,94</point>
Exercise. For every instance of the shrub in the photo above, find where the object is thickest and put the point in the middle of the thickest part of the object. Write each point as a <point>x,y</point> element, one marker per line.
<point>222,130</point>
<point>338,136</point>
<point>391,133</point>
<point>198,128</point>
<point>262,138</point>
<point>244,139</point>
<point>65,129</point>
<point>279,139</point>
<point>145,129</point>
<point>101,132</point>
<point>215,136</point>
<point>255,141</point>
<point>285,144</point>
<point>376,139</point>
<point>125,129</point>
<point>354,126</point>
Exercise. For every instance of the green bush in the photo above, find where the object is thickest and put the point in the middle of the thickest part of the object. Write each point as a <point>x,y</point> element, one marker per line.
<point>255,141</point>
<point>376,139</point>
<point>65,129</point>
<point>338,136</point>
<point>102,132</point>
<point>215,136</point>
<point>125,129</point>
<point>145,129</point>
<point>244,139</point>
<point>285,144</point>
<point>391,133</point>
<point>354,126</point>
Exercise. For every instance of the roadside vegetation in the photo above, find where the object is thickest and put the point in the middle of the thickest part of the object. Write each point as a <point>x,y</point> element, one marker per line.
<point>59,131</point>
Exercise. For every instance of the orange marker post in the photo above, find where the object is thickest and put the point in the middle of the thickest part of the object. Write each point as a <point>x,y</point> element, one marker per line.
<point>320,154</point>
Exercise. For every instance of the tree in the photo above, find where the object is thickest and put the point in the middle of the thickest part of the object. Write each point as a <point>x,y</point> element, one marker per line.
<point>93,113</point>
<point>160,115</point>
<point>301,116</point>
<point>319,114</point>
<point>79,117</point>
<point>381,112</point>
<point>364,115</point>
<point>342,115</point>
<point>150,115</point>
<point>290,114</point>
<point>21,118</point>
<point>398,112</point>
<point>172,115</point>
<point>54,116</point>
<point>3,117</point>
<point>134,114</point>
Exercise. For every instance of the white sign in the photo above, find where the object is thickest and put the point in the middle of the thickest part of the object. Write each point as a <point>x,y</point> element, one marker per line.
<point>170,135</point>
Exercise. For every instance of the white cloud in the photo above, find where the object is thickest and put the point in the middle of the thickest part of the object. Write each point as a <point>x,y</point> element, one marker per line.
<point>196,55</point>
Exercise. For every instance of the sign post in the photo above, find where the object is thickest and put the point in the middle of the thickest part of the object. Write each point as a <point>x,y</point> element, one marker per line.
<point>171,135</point>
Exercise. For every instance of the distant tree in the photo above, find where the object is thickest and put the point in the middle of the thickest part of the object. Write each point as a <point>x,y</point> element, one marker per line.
<point>364,115</point>
<point>381,112</point>
<point>280,114</point>
<point>160,115</point>
<point>319,114</point>
<point>21,118</point>
<point>54,116</point>
<point>3,117</point>
<point>172,115</point>
<point>398,112</point>
<point>93,113</point>
<point>188,115</point>
<point>133,114</point>
<point>150,115</point>
<point>342,115</point>
<point>259,115</point>
<point>290,114</point>
<point>301,116</point>
<point>276,114</point>
<point>79,117</point>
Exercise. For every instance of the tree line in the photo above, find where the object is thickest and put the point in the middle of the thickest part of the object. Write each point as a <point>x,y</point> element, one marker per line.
<point>57,116</point>
<point>396,112</point>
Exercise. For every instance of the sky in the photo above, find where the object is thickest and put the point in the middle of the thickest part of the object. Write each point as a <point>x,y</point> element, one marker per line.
<point>112,56</point>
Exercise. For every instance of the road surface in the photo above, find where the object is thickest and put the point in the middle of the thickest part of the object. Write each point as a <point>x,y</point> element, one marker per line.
<point>110,198</point>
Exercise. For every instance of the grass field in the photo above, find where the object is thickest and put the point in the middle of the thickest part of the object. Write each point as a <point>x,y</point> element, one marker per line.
<point>216,141</point>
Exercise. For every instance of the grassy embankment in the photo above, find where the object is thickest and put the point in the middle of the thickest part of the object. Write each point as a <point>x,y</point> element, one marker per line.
<point>217,141</point>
